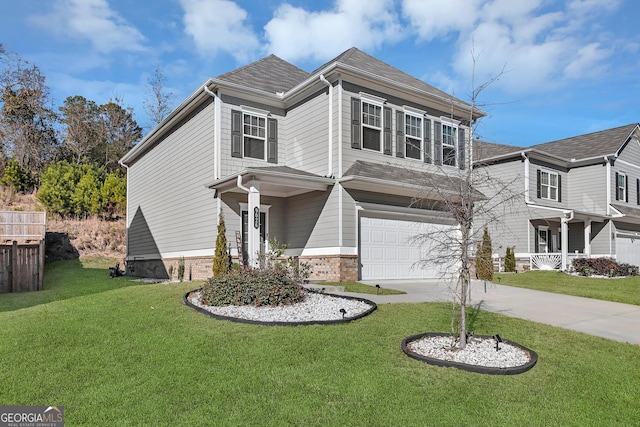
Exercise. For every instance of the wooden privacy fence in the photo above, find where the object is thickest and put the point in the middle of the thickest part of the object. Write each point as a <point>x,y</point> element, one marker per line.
<point>22,251</point>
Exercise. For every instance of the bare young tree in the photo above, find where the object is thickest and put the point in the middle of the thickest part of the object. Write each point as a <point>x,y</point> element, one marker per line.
<point>157,103</point>
<point>463,195</point>
<point>27,121</point>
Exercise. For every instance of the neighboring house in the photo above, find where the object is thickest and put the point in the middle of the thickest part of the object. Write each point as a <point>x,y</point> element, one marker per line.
<point>580,197</point>
<point>327,162</point>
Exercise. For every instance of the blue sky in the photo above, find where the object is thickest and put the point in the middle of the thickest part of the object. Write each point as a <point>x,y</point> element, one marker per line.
<point>571,67</point>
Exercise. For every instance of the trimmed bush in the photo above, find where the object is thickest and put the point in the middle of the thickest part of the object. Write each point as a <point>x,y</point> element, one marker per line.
<point>602,267</point>
<point>484,260</point>
<point>270,287</point>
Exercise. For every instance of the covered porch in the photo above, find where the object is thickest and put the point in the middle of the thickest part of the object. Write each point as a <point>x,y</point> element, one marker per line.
<point>554,242</point>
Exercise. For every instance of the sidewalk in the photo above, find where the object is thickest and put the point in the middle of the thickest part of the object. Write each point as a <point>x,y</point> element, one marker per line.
<point>616,321</point>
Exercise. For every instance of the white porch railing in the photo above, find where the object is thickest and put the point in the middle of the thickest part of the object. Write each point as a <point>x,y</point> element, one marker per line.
<point>545,261</point>
<point>551,261</point>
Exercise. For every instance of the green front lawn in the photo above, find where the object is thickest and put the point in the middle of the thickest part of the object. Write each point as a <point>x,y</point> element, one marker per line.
<point>126,353</point>
<point>361,288</point>
<point>625,290</point>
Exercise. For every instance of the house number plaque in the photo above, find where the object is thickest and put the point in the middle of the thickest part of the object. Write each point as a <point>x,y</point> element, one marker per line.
<point>256,217</point>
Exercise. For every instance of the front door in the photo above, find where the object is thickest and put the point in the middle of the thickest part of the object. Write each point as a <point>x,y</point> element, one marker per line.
<point>245,233</point>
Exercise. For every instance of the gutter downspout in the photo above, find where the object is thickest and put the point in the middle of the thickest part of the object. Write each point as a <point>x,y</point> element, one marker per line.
<point>330,138</point>
<point>126,214</point>
<point>608,172</point>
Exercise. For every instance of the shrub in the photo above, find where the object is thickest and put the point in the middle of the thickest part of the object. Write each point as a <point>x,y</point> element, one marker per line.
<point>221,259</point>
<point>602,267</point>
<point>510,260</point>
<point>484,261</point>
<point>270,287</point>
<point>16,177</point>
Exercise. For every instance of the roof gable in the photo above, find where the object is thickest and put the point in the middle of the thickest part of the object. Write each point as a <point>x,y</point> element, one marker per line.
<point>595,144</point>
<point>270,74</point>
<point>355,58</point>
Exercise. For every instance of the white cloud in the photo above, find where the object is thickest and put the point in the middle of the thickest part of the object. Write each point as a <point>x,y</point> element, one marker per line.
<point>433,19</point>
<point>540,44</point>
<point>295,33</point>
<point>93,21</point>
<point>220,26</point>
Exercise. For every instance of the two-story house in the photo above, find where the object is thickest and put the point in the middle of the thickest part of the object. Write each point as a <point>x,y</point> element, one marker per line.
<point>327,162</point>
<point>580,197</point>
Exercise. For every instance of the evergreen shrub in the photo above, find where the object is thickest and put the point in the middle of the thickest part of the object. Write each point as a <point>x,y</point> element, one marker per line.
<point>269,287</point>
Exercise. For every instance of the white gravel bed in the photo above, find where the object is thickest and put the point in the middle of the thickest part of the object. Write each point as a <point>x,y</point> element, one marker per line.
<point>314,307</point>
<point>478,352</point>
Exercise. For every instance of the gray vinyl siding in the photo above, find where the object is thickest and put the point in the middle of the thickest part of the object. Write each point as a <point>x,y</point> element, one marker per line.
<point>533,186</point>
<point>349,220</point>
<point>232,165</point>
<point>350,155</point>
<point>276,227</point>
<point>631,153</point>
<point>312,219</point>
<point>307,134</point>
<point>589,189</point>
<point>169,208</point>
<point>600,238</point>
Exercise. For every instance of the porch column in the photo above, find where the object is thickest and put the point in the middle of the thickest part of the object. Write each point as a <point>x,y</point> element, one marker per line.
<point>253,227</point>
<point>587,238</point>
<point>564,229</point>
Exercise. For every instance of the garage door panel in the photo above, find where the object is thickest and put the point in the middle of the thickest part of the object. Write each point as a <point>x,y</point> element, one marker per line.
<point>387,251</point>
<point>628,250</point>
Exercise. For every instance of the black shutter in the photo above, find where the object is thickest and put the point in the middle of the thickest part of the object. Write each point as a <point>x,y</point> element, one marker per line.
<point>355,123</point>
<point>461,148</point>
<point>626,188</point>
<point>427,141</point>
<point>536,240</point>
<point>437,143</point>
<point>559,188</point>
<point>272,141</point>
<point>236,133</point>
<point>539,184</point>
<point>387,131</point>
<point>400,134</point>
<point>638,191</point>
<point>616,187</point>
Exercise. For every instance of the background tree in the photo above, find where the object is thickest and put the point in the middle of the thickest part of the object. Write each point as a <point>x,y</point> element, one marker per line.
<point>120,132</point>
<point>221,259</point>
<point>27,122</point>
<point>157,103</point>
<point>484,259</point>
<point>83,134</point>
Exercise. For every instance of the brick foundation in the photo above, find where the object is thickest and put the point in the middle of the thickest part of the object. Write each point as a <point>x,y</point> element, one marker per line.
<point>331,268</point>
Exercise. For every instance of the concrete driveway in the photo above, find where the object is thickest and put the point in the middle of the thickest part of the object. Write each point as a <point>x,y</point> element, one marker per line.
<point>616,321</point>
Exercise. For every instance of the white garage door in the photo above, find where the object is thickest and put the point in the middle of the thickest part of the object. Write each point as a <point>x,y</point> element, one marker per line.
<point>628,250</point>
<point>386,251</point>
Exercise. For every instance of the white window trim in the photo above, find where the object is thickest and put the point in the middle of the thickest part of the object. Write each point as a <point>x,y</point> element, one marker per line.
<point>250,111</point>
<point>378,102</point>
<point>623,188</point>
<point>408,112</point>
<point>454,124</point>
<point>549,186</point>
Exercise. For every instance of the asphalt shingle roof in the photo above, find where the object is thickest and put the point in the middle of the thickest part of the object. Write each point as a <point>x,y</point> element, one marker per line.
<point>270,74</point>
<point>589,145</point>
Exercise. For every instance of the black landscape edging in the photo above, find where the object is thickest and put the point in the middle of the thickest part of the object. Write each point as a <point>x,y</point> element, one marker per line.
<point>373,305</point>
<point>533,357</point>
